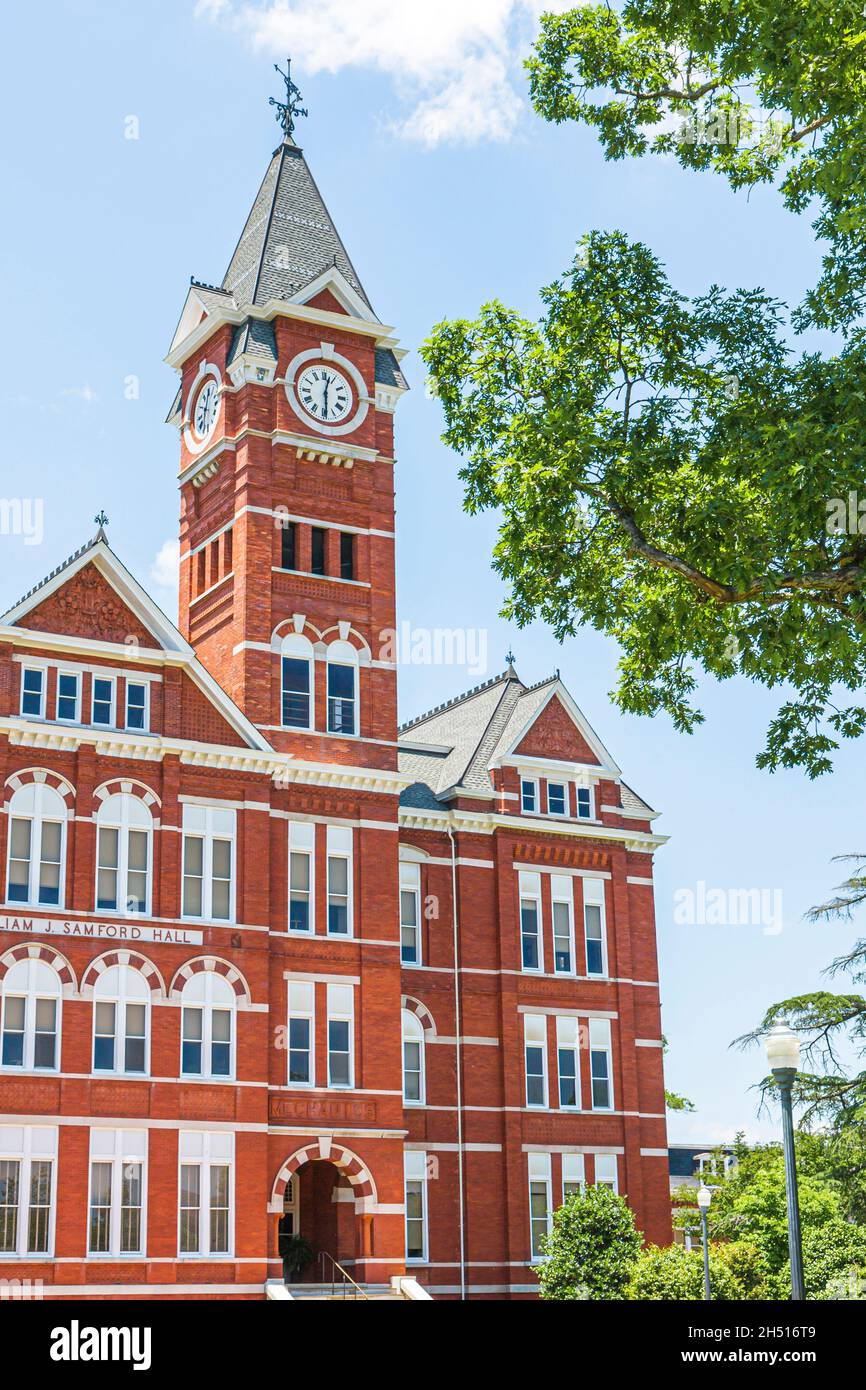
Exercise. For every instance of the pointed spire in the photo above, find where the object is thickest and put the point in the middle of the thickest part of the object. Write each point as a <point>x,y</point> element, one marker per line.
<point>101,522</point>
<point>289,239</point>
<point>509,669</point>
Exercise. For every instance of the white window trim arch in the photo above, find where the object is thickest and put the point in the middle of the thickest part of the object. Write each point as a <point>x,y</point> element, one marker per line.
<point>201,991</point>
<point>32,980</point>
<point>343,653</point>
<point>104,992</point>
<point>39,804</point>
<point>412,1031</point>
<point>124,812</point>
<point>297,647</point>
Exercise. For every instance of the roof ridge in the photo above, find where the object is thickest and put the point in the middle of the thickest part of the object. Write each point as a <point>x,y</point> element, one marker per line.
<point>455,700</point>
<point>70,559</point>
<point>548,680</point>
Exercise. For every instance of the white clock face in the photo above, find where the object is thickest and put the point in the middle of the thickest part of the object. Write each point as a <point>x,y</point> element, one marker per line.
<point>206,410</point>
<point>325,393</point>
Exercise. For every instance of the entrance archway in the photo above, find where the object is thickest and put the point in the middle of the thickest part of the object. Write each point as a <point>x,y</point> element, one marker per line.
<point>323,1193</point>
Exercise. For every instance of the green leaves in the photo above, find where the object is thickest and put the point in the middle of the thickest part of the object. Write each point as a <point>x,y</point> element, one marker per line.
<point>755,95</point>
<point>591,1251</point>
<point>663,470</point>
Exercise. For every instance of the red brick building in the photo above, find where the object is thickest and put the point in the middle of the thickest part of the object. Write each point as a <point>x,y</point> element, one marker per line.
<point>264,960</point>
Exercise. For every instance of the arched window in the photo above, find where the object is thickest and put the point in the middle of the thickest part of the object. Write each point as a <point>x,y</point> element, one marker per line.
<point>413,1059</point>
<point>297,682</point>
<point>342,688</point>
<point>123,855</point>
<point>37,846</point>
<point>207,1026</point>
<point>31,1016</point>
<point>121,1007</point>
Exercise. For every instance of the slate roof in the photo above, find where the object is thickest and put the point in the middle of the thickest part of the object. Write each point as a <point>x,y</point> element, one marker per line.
<point>460,739</point>
<point>388,371</point>
<point>289,238</point>
<point>253,338</point>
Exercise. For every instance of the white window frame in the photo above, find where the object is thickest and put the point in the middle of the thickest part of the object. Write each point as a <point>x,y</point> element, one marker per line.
<point>37,803</point>
<point>529,890</point>
<point>535,1037</point>
<point>209,824</point>
<point>301,1005</point>
<point>539,1167</point>
<point>577,815</point>
<point>206,1150</point>
<point>412,1031</point>
<point>573,1173</point>
<point>568,1040</point>
<point>26,1145</point>
<point>410,883</point>
<point>145,685</point>
<point>42,672</point>
<point>129,1146</point>
<point>610,1178</point>
<point>120,998</point>
<point>600,1041</point>
<point>340,846</point>
<point>112,714</point>
<point>124,825</point>
<point>594,896</point>
<point>415,1172</point>
<point>74,676</point>
<point>535,808</point>
<point>341,1009</point>
<point>564,813</point>
<point>32,992</point>
<point>562,895</point>
<point>209,983</point>
<point>343,654</point>
<point>302,841</point>
<point>296,647</point>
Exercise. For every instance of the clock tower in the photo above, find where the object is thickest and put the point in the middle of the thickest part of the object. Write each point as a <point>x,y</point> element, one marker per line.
<point>288,387</point>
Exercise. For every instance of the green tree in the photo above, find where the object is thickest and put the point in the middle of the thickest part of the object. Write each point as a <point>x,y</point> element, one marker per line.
<point>591,1250</point>
<point>751,1206</point>
<point>754,93</point>
<point>834,1262</point>
<point>670,470</point>
<point>674,1273</point>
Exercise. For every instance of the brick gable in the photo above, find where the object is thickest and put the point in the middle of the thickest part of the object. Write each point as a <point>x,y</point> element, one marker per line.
<point>555,735</point>
<point>87,606</point>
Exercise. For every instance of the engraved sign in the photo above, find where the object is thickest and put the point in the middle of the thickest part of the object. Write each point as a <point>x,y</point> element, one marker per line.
<point>285,1108</point>
<point>102,931</point>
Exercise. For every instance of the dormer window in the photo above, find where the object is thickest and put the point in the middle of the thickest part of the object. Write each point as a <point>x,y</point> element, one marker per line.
<point>528,795</point>
<point>584,803</point>
<point>557,799</point>
<point>103,701</point>
<point>136,705</point>
<point>33,692</point>
<point>68,693</point>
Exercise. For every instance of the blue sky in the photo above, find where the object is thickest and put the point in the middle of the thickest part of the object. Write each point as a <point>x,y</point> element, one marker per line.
<point>447,191</point>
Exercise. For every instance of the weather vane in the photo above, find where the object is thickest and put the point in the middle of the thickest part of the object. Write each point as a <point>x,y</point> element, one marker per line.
<point>287,110</point>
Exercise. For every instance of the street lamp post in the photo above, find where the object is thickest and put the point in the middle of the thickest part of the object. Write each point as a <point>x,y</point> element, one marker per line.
<point>705,1196</point>
<point>783,1055</point>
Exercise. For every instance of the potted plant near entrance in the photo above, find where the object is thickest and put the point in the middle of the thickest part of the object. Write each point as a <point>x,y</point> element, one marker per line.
<point>296,1253</point>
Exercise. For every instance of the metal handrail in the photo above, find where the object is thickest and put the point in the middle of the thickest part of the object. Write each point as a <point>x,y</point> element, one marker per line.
<point>357,1291</point>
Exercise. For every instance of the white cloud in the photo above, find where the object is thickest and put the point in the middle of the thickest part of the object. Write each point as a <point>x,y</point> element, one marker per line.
<point>164,576</point>
<point>455,65</point>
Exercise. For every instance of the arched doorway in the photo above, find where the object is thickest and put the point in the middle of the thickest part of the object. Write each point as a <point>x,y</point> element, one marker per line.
<point>321,1194</point>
